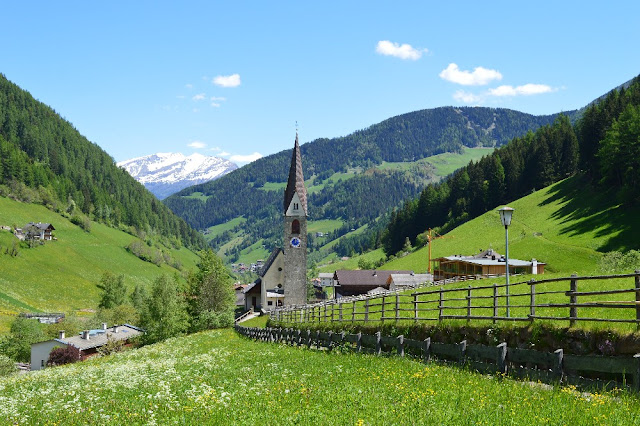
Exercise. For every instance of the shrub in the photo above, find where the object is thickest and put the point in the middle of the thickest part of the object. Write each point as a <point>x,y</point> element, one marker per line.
<point>7,366</point>
<point>61,356</point>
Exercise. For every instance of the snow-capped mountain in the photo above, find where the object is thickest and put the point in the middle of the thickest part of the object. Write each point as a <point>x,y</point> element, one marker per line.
<point>167,173</point>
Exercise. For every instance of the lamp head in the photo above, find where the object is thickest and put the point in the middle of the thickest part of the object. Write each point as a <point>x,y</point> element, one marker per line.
<point>505,216</point>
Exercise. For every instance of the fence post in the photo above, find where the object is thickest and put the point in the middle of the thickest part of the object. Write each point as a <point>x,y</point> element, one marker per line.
<point>330,345</point>
<point>573,299</point>
<point>469,304</point>
<point>359,342</point>
<point>557,363</point>
<point>415,307</point>
<point>637,279</point>
<point>378,343</point>
<point>440,305</point>
<point>495,302</point>
<point>308,339</point>
<point>353,312</point>
<point>532,307</point>
<point>324,319</point>
<point>401,345</point>
<point>340,312</point>
<point>502,358</point>
<point>384,299</point>
<point>366,309</point>
<point>397,306</point>
<point>426,349</point>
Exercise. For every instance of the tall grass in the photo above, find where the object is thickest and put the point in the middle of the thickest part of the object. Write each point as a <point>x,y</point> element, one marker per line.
<point>217,377</point>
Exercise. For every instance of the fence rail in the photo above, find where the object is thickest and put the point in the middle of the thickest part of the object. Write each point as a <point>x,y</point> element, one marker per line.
<point>555,299</point>
<point>536,365</point>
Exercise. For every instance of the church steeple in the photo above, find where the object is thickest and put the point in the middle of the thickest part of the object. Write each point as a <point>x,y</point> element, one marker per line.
<point>295,184</point>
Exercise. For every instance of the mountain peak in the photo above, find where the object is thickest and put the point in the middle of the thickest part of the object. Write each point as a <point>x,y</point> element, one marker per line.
<point>165,173</point>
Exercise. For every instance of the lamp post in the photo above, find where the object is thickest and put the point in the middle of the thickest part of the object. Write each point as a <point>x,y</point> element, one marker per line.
<point>505,218</point>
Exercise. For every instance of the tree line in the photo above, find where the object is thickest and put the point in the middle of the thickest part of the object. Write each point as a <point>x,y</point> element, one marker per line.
<point>603,145</point>
<point>46,160</point>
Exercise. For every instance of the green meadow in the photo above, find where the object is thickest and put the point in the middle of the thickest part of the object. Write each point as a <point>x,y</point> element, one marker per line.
<point>61,276</point>
<point>217,377</point>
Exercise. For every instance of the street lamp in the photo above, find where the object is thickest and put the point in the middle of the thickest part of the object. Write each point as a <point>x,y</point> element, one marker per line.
<point>505,218</point>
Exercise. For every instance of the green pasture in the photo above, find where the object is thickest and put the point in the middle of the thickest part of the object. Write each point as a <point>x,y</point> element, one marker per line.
<point>197,196</point>
<point>217,377</point>
<point>61,276</point>
<point>447,163</point>
<point>214,231</point>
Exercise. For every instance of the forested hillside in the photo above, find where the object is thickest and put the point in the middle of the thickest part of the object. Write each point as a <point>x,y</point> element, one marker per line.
<point>604,145</point>
<point>46,160</point>
<point>341,178</point>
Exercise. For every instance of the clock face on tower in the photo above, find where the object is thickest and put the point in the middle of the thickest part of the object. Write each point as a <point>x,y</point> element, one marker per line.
<point>295,242</point>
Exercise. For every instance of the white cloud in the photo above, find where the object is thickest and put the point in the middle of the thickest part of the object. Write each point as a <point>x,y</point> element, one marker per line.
<point>467,97</point>
<point>189,86</point>
<point>180,96</point>
<point>199,97</point>
<point>402,51</point>
<point>232,80</point>
<point>524,90</point>
<point>224,154</point>
<point>218,99</point>
<point>215,148</point>
<point>215,105</point>
<point>478,77</point>
<point>197,145</point>
<point>245,158</point>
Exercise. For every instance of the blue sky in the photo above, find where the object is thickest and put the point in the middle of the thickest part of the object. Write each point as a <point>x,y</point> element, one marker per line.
<point>232,78</point>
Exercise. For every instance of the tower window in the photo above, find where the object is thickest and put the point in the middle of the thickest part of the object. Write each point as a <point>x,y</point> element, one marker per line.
<point>295,227</point>
<point>295,206</point>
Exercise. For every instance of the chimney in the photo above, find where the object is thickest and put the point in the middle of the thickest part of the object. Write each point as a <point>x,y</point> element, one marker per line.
<point>85,334</point>
<point>115,328</point>
<point>104,326</point>
<point>534,267</point>
<point>61,334</point>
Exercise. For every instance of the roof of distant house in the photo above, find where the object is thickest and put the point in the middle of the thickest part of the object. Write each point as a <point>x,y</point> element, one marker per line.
<point>43,226</point>
<point>409,280</point>
<point>100,337</point>
<point>365,277</point>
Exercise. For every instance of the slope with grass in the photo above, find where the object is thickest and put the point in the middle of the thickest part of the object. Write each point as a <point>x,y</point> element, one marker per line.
<point>213,378</point>
<point>61,276</point>
<point>568,225</point>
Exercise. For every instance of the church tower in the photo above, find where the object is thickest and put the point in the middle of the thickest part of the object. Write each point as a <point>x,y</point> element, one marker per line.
<point>295,233</point>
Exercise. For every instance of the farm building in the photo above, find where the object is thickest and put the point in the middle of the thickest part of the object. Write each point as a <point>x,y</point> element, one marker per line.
<point>407,281</point>
<point>352,283</point>
<point>487,263</point>
<point>88,342</point>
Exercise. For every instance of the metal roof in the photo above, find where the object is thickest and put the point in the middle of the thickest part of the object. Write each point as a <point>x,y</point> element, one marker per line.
<point>100,337</point>
<point>365,277</point>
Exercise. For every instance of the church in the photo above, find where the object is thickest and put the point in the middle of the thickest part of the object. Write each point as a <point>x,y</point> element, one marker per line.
<point>283,278</point>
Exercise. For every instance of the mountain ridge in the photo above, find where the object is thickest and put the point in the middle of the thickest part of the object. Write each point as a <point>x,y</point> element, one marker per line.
<point>167,173</point>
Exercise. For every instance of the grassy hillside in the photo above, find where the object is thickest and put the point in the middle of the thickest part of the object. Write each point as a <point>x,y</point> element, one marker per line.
<point>218,378</point>
<point>566,225</point>
<point>62,275</point>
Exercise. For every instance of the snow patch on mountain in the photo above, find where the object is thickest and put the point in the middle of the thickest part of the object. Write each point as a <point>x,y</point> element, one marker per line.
<point>167,173</point>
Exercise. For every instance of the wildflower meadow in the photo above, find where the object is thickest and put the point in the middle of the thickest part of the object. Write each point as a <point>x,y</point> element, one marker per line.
<point>217,377</point>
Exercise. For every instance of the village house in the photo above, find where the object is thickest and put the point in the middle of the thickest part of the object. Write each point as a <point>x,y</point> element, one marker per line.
<point>353,283</point>
<point>88,342</point>
<point>485,264</point>
<point>408,281</point>
<point>36,231</point>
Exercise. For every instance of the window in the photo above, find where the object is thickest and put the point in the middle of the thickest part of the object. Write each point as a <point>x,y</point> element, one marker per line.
<point>295,227</point>
<point>295,206</point>
<point>270,302</point>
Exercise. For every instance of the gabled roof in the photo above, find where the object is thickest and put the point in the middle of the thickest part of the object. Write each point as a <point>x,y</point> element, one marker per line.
<point>269,262</point>
<point>365,277</point>
<point>257,283</point>
<point>295,184</point>
<point>43,226</point>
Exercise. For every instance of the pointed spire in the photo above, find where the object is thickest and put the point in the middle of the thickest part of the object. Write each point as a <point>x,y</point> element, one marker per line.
<point>295,184</point>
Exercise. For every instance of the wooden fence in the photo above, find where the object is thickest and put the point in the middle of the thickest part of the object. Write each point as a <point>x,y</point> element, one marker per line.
<point>569,299</point>
<point>535,365</point>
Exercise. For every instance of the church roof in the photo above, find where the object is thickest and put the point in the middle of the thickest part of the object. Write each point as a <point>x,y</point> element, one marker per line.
<point>269,262</point>
<point>295,184</point>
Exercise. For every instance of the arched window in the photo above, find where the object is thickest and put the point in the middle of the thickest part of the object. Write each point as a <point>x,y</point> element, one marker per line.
<point>295,227</point>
